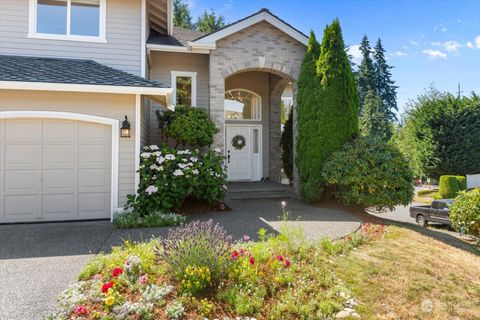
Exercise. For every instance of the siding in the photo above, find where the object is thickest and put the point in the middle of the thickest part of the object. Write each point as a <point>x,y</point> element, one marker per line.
<point>162,64</point>
<point>104,105</point>
<point>145,122</point>
<point>123,34</point>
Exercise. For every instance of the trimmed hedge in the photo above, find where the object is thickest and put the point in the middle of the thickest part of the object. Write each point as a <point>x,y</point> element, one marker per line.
<point>287,147</point>
<point>465,213</point>
<point>451,185</point>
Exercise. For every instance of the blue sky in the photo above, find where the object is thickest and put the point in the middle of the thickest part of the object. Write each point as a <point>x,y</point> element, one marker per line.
<point>428,42</point>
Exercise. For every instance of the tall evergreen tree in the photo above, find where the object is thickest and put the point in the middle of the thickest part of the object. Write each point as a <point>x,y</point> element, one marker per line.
<point>366,72</point>
<point>386,88</point>
<point>307,118</point>
<point>209,22</point>
<point>181,15</point>
<point>374,122</point>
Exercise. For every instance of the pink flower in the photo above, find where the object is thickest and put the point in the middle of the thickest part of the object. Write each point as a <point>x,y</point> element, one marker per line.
<point>81,311</point>
<point>143,280</point>
<point>235,255</point>
<point>243,252</point>
<point>279,258</point>
<point>117,271</point>
<point>246,238</point>
<point>98,276</point>
<point>251,260</point>
<point>287,263</point>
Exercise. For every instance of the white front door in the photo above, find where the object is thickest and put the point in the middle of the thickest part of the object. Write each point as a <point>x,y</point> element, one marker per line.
<point>243,152</point>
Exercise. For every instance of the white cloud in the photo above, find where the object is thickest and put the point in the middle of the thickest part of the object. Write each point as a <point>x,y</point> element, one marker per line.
<point>470,45</point>
<point>440,28</point>
<point>434,54</point>
<point>452,46</point>
<point>400,54</point>
<point>356,54</point>
<point>415,43</point>
<point>477,42</point>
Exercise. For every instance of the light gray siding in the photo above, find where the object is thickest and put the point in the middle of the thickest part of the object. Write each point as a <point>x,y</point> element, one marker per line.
<point>123,34</point>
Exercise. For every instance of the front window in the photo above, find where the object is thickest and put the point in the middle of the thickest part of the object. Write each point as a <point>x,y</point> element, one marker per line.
<point>184,86</point>
<point>68,19</point>
<point>242,105</point>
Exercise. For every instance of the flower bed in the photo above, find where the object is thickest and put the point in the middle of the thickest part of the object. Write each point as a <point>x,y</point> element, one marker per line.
<point>198,273</point>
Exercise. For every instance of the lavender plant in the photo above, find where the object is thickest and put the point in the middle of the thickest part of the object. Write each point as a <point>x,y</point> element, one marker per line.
<point>197,244</point>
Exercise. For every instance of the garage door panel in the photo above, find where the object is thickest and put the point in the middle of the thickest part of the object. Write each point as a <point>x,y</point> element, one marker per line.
<point>59,131</point>
<point>21,156</point>
<point>22,182</point>
<point>58,155</point>
<point>22,130</point>
<point>93,204</point>
<point>58,206</point>
<point>21,207</point>
<point>53,169</point>
<point>88,132</point>
<point>93,155</point>
<point>58,181</point>
<point>93,180</point>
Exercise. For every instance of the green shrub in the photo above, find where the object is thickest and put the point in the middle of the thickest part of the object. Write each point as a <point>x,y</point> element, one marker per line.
<point>125,220</point>
<point>197,244</point>
<point>465,213</point>
<point>371,173</point>
<point>287,147</point>
<point>168,177</point>
<point>451,185</point>
<point>188,126</point>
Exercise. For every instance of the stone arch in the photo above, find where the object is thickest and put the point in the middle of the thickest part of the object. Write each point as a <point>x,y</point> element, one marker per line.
<point>280,69</point>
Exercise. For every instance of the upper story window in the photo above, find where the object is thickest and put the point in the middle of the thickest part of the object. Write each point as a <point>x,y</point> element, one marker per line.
<point>241,104</point>
<point>80,20</point>
<point>184,85</point>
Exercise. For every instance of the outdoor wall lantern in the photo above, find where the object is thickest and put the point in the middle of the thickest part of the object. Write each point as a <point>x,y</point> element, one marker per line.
<point>125,130</point>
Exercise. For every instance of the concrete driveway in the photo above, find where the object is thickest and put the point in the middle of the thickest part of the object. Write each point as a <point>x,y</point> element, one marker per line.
<point>38,261</point>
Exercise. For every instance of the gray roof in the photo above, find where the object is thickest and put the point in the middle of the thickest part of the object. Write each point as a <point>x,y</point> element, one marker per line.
<point>180,37</point>
<point>67,71</point>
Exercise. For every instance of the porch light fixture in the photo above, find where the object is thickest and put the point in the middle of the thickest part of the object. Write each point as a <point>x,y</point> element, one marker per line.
<point>125,130</point>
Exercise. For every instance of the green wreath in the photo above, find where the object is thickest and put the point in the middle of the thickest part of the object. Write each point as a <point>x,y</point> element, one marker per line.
<point>238,142</point>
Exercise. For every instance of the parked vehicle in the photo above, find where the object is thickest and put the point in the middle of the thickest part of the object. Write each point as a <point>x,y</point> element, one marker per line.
<point>437,211</point>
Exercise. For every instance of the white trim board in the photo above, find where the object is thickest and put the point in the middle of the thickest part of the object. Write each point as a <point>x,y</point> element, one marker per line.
<point>49,86</point>
<point>32,25</point>
<point>210,40</point>
<point>138,132</point>
<point>114,123</point>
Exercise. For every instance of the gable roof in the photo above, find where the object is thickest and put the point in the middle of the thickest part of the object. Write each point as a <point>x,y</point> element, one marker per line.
<point>180,37</point>
<point>73,74</point>
<point>262,15</point>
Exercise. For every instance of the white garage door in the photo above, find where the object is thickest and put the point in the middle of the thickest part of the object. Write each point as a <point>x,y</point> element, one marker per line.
<point>54,170</point>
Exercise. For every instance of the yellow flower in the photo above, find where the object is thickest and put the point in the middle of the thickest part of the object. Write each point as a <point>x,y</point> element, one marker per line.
<point>110,300</point>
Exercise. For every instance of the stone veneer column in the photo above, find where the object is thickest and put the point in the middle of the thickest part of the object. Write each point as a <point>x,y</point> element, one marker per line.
<point>217,97</point>
<point>277,85</point>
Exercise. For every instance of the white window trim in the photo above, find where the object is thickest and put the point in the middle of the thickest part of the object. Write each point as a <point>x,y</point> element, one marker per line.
<point>190,74</point>
<point>32,26</point>
<point>260,105</point>
<point>115,127</point>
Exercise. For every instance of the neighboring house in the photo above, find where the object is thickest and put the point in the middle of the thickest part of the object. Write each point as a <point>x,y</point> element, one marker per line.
<point>72,70</point>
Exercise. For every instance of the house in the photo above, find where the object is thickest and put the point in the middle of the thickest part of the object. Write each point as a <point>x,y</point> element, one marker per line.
<point>80,81</point>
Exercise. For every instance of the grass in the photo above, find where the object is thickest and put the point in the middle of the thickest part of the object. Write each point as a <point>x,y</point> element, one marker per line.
<point>427,196</point>
<point>410,276</point>
<point>126,220</point>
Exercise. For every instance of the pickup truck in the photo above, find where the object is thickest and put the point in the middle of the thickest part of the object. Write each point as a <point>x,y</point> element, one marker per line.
<point>438,211</point>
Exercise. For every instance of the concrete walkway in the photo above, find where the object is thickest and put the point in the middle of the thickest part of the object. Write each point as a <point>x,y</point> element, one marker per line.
<point>38,261</point>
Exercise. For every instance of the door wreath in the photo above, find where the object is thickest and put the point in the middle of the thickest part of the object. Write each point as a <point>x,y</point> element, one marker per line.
<point>238,142</point>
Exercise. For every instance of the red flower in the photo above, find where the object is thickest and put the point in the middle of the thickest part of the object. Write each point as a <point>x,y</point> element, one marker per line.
<point>235,255</point>
<point>107,286</point>
<point>279,258</point>
<point>287,263</point>
<point>251,260</point>
<point>81,311</point>
<point>117,271</point>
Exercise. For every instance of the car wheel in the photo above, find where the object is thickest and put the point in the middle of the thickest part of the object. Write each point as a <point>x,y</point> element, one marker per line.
<point>421,220</point>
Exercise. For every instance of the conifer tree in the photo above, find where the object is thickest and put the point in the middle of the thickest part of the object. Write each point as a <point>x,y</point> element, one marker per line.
<point>181,15</point>
<point>366,72</point>
<point>209,22</point>
<point>374,122</point>
<point>307,116</point>
<point>386,88</point>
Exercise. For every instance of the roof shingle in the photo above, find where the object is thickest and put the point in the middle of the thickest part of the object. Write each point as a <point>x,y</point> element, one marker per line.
<point>67,71</point>
<point>180,37</point>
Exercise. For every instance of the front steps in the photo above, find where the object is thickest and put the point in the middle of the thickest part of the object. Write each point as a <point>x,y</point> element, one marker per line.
<point>258,190</point>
